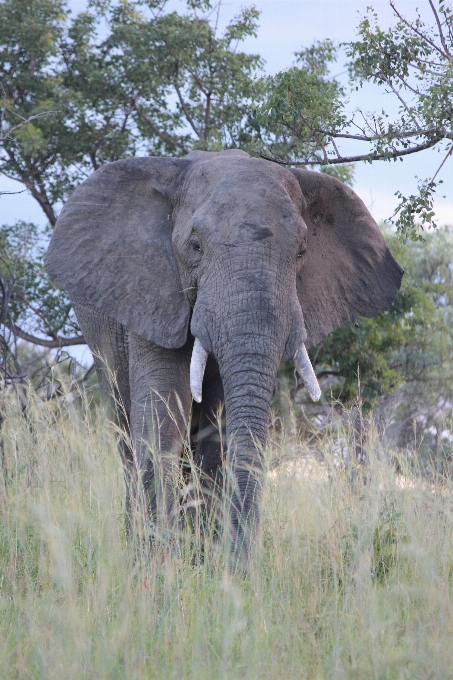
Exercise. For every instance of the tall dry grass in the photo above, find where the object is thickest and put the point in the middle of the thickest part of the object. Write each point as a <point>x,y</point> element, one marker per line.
<point>348,580</point>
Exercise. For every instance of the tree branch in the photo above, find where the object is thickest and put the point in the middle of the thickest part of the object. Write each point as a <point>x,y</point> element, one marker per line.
<point>373,138</point>
<point>43,202</point>
<point>11,193</point>
<point>4,136</point>
<point>28,180</point>
<point>25,121</point>
<point>86,376</point>
<point>406,107</point>
<point>413,28</point>
<point>449,152</point>
<point>352,159</point>
<point>51,344</point>
<point>163,136</point>
<point>186,112</point>
<point>409,87</point>
<point>199,82</point>
<point>316,136</point>
<point>439,26</point>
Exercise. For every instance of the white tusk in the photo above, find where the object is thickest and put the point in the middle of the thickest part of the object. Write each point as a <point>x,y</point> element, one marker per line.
<point>197,366</point>
<point>306,372</point>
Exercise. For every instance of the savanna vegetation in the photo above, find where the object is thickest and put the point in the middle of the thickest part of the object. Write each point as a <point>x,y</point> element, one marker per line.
<point>351,574</point>
<point>352,571</point>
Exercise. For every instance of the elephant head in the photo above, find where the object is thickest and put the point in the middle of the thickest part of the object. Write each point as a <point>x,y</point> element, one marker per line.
<point>257,260</point>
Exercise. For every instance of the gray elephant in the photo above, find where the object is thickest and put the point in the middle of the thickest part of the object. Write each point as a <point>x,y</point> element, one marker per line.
<point>195,277</point>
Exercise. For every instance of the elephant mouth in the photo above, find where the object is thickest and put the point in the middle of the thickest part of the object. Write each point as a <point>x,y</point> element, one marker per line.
<point>301,361</point>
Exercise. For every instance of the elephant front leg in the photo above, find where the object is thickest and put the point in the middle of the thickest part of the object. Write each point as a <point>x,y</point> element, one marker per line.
<point>209,456</point>
<point>160,405</point>
<point>211,437</point>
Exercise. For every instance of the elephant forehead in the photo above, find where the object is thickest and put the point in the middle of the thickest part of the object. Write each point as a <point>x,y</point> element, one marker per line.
<point>239,179</point>
<point>238,200</point>
<point>257,213</point>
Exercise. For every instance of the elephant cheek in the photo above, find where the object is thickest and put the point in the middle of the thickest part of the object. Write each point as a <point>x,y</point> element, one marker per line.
<point>199,327</point>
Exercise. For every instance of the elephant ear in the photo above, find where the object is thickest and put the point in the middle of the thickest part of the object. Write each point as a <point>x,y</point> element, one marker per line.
<point>349,270</point>
<point>111,248</point>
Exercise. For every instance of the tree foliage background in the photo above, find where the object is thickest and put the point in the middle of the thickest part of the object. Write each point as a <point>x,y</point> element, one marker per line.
<point>155,83</point>
<point>135,78</point>
<point>304,118</point>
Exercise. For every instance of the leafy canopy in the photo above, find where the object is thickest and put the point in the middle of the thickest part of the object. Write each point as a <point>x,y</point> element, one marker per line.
<point>304,117</point>
<point>74,97</point>
<point>157,83</point>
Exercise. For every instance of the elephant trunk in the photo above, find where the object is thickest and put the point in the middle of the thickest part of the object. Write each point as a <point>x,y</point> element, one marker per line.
<point>248,368</point>
<point>248,327</point>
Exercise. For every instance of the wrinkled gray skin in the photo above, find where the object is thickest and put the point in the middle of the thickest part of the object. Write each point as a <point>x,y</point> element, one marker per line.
<point>251,258</point>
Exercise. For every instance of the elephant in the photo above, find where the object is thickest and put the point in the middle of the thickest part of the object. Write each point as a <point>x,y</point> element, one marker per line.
<point>192,278</point>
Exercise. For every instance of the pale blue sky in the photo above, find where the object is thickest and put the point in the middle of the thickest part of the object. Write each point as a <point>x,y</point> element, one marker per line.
<point>286,26</point>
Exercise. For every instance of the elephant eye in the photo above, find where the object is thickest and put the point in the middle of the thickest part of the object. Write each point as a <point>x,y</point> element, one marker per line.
<point>195,245</point>
<point>302,250</point>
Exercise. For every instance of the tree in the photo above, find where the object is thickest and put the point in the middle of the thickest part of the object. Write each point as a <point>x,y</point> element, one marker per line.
<point>419,413</point>
<point>14,128</point>
<point>377,355</point>
<point>303,119</point>
<point>397,367</point>
<point>112,96</point>
<point>157,83</point>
